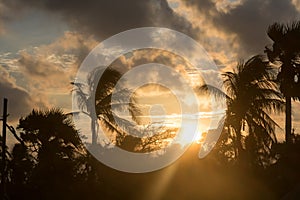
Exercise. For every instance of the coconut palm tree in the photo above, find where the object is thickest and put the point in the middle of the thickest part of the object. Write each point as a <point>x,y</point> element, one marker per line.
<point>251,95</point>
<point>97,103</point>
<point>285,52</point>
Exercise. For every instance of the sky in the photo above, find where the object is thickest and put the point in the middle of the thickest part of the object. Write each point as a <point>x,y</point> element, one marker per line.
<point>43,42</point>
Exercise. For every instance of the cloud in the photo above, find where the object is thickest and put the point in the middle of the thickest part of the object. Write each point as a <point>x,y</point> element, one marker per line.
<point>41,70</point>
<point>3,16</point>
<point>297,4</point>
<point>20,102</point>
<point>70,43</point>
<point>104,18</point>
<point>55,65</point>
<point>248,20</point>
<point>39,77</point>
<point>49,69</point>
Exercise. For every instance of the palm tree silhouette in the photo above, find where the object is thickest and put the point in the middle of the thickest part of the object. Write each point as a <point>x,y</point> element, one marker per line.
<point>286,52</point>
<point>45,131</point>
<point>53,156</point>
<point>251,94</point>
<point>101,107</point>
<point>97,103</point>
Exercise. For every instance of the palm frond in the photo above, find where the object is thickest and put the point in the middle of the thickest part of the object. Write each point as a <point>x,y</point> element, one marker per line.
<point>276,32</point>
<point>216,92</point>
<point>231,83</point>
<point>270,105</point>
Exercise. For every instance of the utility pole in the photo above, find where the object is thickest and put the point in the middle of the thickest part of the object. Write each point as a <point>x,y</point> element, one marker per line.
<point>288,119</point>
<point>3,170</point>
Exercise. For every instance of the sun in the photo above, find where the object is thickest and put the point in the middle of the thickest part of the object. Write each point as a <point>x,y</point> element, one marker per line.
<point>159,105</point>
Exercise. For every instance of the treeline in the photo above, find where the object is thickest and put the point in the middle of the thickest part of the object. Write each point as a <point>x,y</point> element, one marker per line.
<point>52,163</point>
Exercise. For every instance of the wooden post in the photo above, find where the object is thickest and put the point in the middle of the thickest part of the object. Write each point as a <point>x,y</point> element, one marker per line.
<point>288,120</point>
<point>3,170</point>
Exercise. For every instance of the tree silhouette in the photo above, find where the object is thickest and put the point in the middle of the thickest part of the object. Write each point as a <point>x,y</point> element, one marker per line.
<point>286,51</point>
<point>97,103</point>
<point>251,94</point>
<point>4,168</point>
<point>51,161</point>
<point>102,87</point>
<point>21,168</point>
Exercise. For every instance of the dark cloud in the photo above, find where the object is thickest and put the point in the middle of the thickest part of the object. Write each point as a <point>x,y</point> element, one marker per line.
<point>20,101</point>
<point>249,20</point>
<point>5,16</point>
<point>104,18</point>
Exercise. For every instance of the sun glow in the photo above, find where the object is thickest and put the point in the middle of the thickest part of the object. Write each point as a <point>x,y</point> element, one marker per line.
<point>160,106</point>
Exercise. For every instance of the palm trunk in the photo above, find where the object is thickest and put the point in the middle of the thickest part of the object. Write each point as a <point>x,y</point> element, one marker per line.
<point>239,148</point>
<point>93,117</point>
<point>239,144</point>
<point>94,133</point>
<point>288,120</point>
